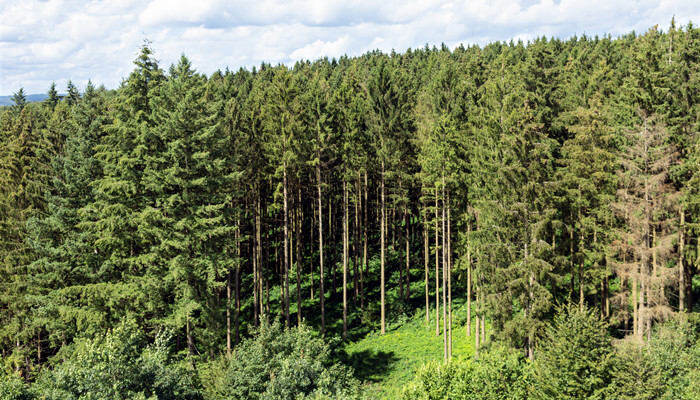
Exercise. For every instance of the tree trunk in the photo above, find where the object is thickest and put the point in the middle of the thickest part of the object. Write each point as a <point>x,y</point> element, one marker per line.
<point>408,256</point>
<point>237,285</point>
<point>312,235</point>
<point>228,314</point>
<point>437,266</point>
<point>382,255</point>
<point>190,338</point>
<point>426,251</point>
<point>356,243</point>
<point>297,226</point>
<point>476,327</point>
<point>449,279</point>
<point>256,275</point>
<point>345,260</point>
<point>469,280</point>
<point>321,294</point>
<point>258,224</point>
<point>444,275</point>
<point>635,303</point>
<point>364,242</point>
<point>681,269</point>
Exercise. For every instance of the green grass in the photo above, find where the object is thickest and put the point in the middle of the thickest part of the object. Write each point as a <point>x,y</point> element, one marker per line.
<point>387,362</point>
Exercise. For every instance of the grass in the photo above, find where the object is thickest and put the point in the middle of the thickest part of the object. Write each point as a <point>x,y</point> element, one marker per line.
<point>387,362</point>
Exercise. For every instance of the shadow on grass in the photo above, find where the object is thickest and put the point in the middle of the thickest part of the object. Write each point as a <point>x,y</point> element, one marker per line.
<point>371,366</point>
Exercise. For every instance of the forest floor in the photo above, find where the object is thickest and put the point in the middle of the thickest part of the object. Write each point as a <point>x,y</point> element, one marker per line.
<point>385,363</point>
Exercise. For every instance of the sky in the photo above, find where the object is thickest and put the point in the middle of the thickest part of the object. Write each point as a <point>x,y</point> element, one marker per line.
<point>44,41</point>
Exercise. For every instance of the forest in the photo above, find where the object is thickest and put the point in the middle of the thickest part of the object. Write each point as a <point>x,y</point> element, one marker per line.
<point>532,209</point>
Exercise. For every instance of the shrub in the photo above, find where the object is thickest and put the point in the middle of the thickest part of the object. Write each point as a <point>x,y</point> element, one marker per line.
<point>665,368</point>
<point>279,363</point>
<point>498,375</point>
<point>574,359</point>
<point>117,365</point>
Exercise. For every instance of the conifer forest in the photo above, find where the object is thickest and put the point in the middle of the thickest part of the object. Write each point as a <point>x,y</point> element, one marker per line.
<point>509,221</point>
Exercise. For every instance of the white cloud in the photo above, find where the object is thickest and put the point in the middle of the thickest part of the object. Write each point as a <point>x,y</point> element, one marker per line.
<point>311,51</point>
<point>56,40</point>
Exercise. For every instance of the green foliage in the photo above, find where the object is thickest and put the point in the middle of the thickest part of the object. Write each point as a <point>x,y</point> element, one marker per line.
<point>499,374</point>
<point>117,365</point>
<point>13,387</point>
<point>567,169</point>
<point>575,357</point>
<point>663,368</point>
<point>278,363</point>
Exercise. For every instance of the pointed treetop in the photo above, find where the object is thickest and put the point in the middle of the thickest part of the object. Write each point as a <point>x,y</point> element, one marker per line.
<point>73,94</point>
<point>19,99</point>
<point>53,97</point>
<point>89,90</point>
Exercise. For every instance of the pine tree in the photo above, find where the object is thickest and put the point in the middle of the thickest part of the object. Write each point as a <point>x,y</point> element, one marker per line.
<point>20,99</point>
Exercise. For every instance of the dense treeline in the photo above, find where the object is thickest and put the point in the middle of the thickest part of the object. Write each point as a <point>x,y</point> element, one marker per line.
<point>517,176</point>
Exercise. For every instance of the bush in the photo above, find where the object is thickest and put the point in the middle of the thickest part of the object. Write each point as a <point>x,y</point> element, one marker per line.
<point>117,365</point>
<point>12,387</point>
<point>500,374</point>
<point>279,363</point>
<point>574,360</point>
<point>665,368</point>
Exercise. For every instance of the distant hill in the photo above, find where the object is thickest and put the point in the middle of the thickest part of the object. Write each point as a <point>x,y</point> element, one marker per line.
<point>7,100</point>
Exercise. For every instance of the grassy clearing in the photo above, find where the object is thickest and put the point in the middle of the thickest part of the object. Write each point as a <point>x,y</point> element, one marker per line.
<point>388,362</point>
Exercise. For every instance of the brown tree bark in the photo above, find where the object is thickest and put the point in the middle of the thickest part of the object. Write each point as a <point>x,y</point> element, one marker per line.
<point>382,255</point>
<point>426,256</point>
<point>444,275</point>
<point>681,269</point>
<point>408,257</point>
<point>345,260</point>
<point>469,280</point>
<point>322,293</point>
<point>437,266</point>
<point>449,279</point>
<point>297,229</point>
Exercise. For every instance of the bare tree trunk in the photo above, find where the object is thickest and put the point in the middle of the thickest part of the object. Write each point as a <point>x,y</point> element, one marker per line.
<point>382,257</point>
<point>258,233</point>
<point>580,265</point>
<point>237,286</point>
<point>444,275</point>
<point>449,279</point>
<point>364,243</point>
<point>356,243</point>
<point>345,260</point>
<point>312,235</point>
<point>286,245</point>
<point>469,280</point>
<point>331,240</point>
<point>322,293</point>
<point>635,303</point>
<point>190,338</point>
<point>476,327</point>
<point>426,256</point>
<point>681,268</point>
<point>256,281</point>
<point>38,346</point>
<point>571,260</point>
<point>228,314</point>
<point>297,226</point>
<point>483,329</point>
<point>437,267</point>
<point>408,259</point>
<point>530,338</point>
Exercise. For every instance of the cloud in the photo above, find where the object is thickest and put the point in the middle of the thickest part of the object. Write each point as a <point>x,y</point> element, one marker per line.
<point>55,40</point>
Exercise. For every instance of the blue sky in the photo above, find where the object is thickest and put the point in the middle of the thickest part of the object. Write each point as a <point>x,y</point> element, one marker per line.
<point>57,40</point>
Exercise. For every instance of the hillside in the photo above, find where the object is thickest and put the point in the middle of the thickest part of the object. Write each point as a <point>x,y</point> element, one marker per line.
<point>7,100</point>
